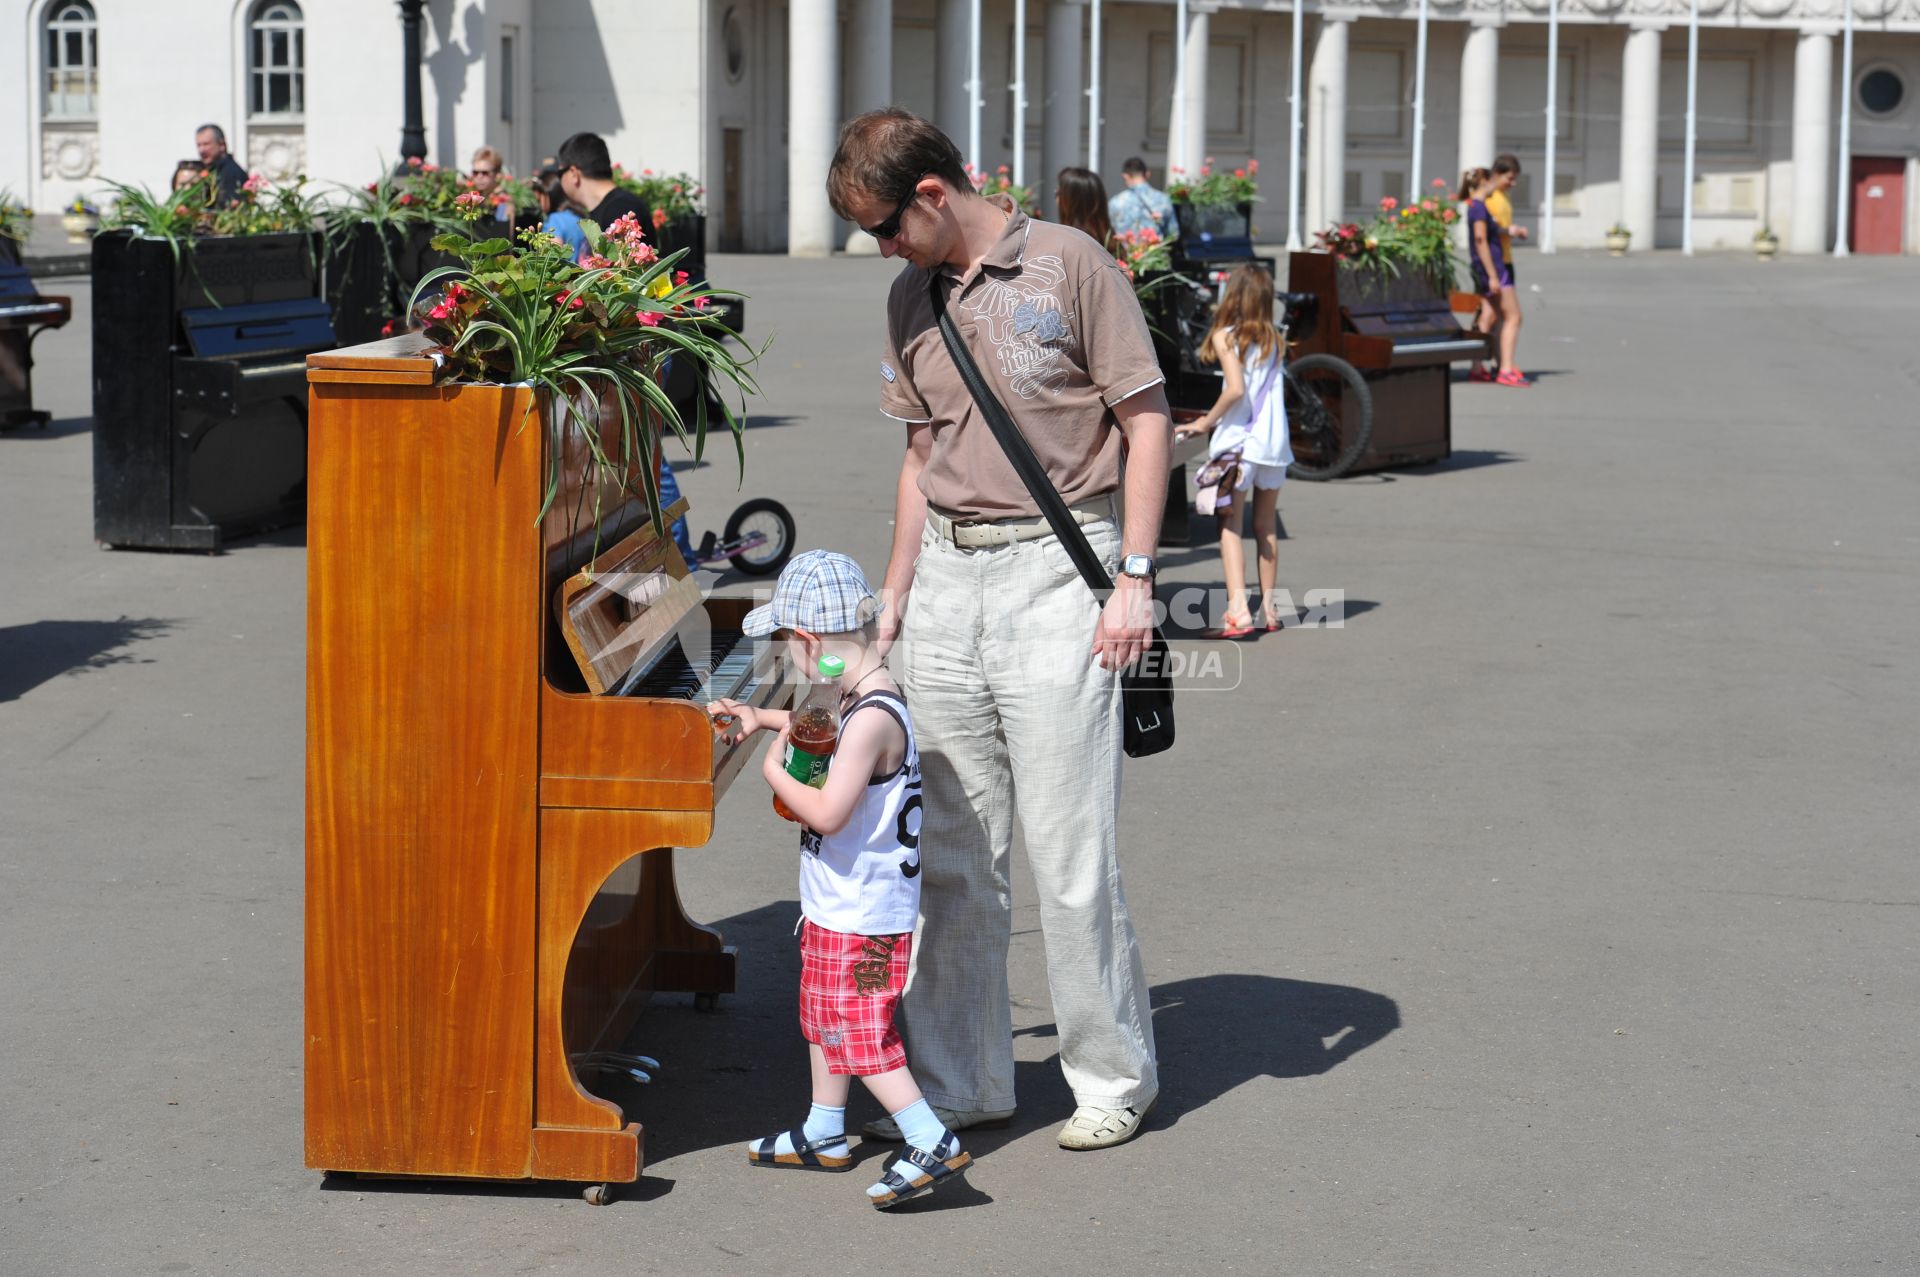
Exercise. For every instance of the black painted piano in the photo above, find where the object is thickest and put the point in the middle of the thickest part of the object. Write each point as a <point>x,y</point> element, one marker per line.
<point>199,387</point>
<point>24,315</point>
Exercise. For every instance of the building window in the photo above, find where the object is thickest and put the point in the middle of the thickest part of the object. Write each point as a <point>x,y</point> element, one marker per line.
<point>1882,91</point>
<point>73,61</point>
<point>277,60</point>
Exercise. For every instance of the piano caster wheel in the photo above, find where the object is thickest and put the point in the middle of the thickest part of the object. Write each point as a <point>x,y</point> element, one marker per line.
<point>597,1194</point>
<point>706,1002</point>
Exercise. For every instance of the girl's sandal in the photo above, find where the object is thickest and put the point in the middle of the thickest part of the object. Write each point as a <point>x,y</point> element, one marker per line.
<point>942,1164</point>
<point>805,1156</point>
<point>1230,629</point>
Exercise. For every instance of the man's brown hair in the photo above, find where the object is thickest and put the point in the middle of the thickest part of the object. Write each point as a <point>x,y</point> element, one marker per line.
<point>883,153</point>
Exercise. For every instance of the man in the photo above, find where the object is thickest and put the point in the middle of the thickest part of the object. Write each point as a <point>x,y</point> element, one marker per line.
<point>228,177</point>
<point>1010,660</point>
<point>484,174</point>
<point>586,175</point>
<point>1139,207</point>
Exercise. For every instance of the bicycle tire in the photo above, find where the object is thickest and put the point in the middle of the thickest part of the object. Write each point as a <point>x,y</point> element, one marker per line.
<point>1329,416</point>
<point>770,558</point>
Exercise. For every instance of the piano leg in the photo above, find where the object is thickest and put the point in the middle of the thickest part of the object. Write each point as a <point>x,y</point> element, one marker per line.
<point>598,963</point>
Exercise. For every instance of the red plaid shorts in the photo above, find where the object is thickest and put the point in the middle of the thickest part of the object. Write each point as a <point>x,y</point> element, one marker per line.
<point>849,986</point>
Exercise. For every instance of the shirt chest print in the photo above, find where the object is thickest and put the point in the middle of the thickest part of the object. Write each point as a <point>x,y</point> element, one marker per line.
<point>1022,321</point>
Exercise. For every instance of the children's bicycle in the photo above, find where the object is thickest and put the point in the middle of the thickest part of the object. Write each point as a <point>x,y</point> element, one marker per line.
<point>757,541</point>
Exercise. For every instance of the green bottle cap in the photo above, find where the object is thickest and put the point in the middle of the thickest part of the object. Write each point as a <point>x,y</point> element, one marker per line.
<point>832,667</point>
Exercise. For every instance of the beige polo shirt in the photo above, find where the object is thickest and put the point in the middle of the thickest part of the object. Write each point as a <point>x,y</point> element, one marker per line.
<point>1055,327</point>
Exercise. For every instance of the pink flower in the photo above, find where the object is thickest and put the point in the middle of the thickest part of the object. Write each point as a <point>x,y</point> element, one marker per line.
<point>440,312</point>
<point>625,224</point>
<point>1446,215</point>
<point>659,218</point>
<point>593,261</point>
<point>1388,204</point>
<point>413,161</point>
<point>700,303</point>
<point>680,277</point>
<point>386,329</point>
<point>1239,172</point>
<point>470,200</point>
<point>646,172</point>
<point>640,253</point>
<point>646,318</point>
<point>182,211</point>
<point>1439,183</point>
<point>1427,205</point>
<point>254,182</point>
<point>1253,166</point>
<point>429,168</point>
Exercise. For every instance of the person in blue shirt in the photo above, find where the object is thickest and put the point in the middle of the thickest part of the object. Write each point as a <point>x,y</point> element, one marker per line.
<point>560,220</point>
<point>1140,207</point>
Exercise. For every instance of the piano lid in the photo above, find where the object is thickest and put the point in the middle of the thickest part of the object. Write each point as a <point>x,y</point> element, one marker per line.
<point>621,608</point>
<point>258,328</point>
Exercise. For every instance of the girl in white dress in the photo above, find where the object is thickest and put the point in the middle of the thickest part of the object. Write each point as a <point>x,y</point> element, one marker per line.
<point>1249,425</point>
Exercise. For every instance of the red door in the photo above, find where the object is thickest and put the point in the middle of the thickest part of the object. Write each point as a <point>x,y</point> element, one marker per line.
<point>1879,203</point>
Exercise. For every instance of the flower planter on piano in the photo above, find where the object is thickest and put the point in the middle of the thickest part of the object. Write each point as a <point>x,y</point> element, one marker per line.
<point>1401,334</point>
<point>505,742</point>
<point>199,401</point>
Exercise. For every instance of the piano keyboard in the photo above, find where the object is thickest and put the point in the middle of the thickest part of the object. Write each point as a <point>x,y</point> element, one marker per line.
<point>727,672</point>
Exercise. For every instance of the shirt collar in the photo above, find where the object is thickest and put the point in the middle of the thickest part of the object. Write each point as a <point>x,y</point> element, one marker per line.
<point>1010,250</point>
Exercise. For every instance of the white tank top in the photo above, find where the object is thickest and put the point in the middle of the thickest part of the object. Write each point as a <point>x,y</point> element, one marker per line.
<point>1257,425</point>
<point>865,879</point>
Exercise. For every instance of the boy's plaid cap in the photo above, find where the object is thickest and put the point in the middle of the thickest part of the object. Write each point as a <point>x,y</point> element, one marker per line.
<point>818,591</point>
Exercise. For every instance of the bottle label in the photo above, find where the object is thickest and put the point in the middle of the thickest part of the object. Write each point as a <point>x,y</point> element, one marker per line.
<point>808,769</point>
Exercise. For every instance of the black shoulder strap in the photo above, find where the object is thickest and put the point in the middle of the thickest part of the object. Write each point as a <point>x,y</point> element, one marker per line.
<point>1019,452</point>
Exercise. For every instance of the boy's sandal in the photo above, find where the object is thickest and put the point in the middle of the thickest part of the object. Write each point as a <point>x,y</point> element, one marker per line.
<point>941,1164</point>
<point>805,1156</point>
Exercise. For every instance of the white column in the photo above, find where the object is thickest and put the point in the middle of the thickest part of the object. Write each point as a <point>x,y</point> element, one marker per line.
<point>1019,89</point>
<point>1479,99</point>
<point>951,104</point>
<point>869,79</point>
<point>1327,124</point>
<point>813,111</point>
<point>1193,106</point>
<point>1640,134</point>
<point>1812,123</point>
<point>1060,135</point>
<point>1094,102</point>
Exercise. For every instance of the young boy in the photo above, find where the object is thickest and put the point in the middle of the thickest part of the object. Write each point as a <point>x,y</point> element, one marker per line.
<point>859,879</point>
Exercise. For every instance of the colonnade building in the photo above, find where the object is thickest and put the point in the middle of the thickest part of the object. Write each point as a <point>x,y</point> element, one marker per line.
<point>747,95</point>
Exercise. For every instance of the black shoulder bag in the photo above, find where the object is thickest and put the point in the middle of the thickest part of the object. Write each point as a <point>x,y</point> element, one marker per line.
<point>1146,686</point>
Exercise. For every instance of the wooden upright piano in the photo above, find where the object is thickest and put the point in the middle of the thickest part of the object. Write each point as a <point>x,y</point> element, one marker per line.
<point>505,743</point>
<point>1404,338</point>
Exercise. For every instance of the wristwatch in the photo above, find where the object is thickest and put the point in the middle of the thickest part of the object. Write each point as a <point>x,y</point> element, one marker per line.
<point>1140,565</point>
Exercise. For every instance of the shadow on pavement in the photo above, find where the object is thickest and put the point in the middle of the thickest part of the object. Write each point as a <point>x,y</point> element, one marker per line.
<point>31,654</point>
<point>1216,1032</point>
<point>59,428</point>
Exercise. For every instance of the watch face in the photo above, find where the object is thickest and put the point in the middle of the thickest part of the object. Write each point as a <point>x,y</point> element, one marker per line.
<point>1137,565</point>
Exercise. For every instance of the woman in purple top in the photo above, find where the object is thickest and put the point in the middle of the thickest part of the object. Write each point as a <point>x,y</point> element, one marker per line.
<point>1491,273</point>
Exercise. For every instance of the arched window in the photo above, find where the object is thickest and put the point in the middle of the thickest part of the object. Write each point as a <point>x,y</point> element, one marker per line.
<point>73,61</point>
<point>277,60</point>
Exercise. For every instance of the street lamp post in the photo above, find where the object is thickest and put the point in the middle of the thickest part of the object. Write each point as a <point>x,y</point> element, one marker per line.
<point>413,129</point>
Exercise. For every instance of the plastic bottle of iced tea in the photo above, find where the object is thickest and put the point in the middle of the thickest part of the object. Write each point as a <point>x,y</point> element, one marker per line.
<point>816,731</point>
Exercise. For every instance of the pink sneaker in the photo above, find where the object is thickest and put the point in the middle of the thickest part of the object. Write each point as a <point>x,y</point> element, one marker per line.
<point>1512,377</point>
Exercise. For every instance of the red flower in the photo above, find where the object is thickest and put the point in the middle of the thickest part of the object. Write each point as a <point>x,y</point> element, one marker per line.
<point>386,329</point>
<point>440,312</point>
<point>659,218</point>
<point>680,277</point>
<point>646,318</point>
<point>1446,215</point>
<point>1239,172</point>
<point>405,198</point>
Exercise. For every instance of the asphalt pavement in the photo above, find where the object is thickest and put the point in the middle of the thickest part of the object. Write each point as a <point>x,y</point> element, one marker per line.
<point>1558,914</point>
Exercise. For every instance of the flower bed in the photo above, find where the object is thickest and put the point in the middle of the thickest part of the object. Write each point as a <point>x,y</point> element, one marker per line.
<point>1415,238</point>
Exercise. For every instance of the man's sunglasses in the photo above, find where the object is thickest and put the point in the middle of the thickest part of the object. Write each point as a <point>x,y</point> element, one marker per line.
<point>891,227</point>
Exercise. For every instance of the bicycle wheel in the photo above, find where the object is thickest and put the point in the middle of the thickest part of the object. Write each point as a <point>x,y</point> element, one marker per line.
<point>769,518</point>
<point>1329,416</point>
